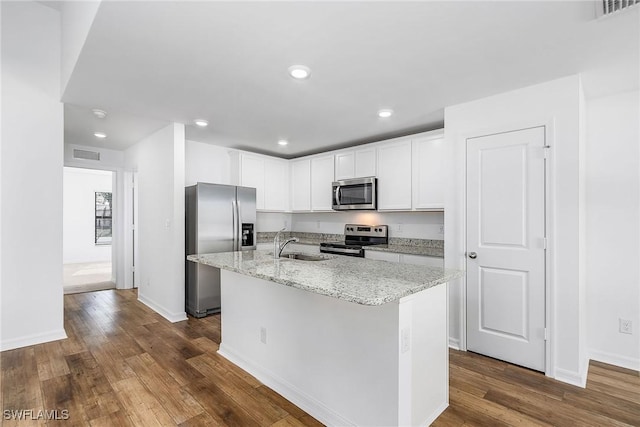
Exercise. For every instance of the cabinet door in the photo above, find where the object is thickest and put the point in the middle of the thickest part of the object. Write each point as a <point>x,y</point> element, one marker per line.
<point>381,256</point>
<point>394,175</point>
<point>276,185</point>
<point>301,185</point>
<point>252,175</point>
<point>365,162</point>
<point>321,179</point>
<point>429,261</point>
<point>345,165</point>
<point>428,182</point>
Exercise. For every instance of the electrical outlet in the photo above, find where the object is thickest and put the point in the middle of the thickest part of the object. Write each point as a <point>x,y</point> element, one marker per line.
<point>626,326</point>
<point>400,227</point>
<point>263,335</point>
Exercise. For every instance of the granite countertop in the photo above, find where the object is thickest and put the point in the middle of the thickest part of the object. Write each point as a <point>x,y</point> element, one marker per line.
<point>407,249</point>
<point>357,280</point>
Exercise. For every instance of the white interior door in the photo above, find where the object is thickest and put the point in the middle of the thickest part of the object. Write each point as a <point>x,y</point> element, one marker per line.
<point>506,246</point>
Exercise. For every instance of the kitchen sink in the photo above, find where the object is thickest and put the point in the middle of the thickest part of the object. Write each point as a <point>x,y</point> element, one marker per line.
<point>307,257</point>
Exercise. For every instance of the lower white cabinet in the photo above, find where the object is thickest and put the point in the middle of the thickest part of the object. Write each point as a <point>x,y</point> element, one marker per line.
<point>429,261</point>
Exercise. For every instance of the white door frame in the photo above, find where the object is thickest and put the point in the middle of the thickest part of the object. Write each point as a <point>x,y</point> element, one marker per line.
<point>549,132</point>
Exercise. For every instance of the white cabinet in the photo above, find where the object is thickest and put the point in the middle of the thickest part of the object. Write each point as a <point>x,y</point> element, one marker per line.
<point>252,175</point>
<point>321,179</point>
<point>276,185</point>
<point>355,163</point>
<point>301,185</point>
<point>429,261</point>
<point>268,175</point>
<point>427,169</point>
<point>394,175</point>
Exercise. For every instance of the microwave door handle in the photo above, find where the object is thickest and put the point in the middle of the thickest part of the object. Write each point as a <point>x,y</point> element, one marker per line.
<point>338,195</point>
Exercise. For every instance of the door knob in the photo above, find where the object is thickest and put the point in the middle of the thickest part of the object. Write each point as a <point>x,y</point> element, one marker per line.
<point>473,255</point>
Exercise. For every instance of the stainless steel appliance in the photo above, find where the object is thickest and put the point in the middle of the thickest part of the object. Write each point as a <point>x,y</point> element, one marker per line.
<point>355,238</point>
<point>354,194</point>
<point>219,218</point>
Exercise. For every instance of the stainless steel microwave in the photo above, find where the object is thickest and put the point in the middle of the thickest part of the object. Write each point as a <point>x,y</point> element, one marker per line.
<point>354,194</point>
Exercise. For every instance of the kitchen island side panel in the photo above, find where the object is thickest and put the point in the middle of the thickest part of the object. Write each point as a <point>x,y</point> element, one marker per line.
<point>341,362</point>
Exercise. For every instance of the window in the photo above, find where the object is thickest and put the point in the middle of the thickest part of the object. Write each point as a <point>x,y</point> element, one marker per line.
<point>103,218</point>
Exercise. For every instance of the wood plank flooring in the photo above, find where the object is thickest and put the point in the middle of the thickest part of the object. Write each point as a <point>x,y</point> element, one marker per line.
<point>124,365</point>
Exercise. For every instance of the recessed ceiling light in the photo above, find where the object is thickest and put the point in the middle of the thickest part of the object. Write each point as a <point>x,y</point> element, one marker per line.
<point>100,135</point>
<point>385,113</point>
<point>201,122</point>
<point>283,142</point>
<point>299,72</point>
<point>101,114</point>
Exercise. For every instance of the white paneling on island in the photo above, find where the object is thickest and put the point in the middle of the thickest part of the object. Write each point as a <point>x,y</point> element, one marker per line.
<point>352,341</point>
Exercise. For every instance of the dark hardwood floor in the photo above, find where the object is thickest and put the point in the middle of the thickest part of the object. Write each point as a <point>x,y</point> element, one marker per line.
<point>125,365</point>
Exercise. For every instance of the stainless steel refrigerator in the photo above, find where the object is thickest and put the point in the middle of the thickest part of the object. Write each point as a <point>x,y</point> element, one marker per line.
<point>219,218</point>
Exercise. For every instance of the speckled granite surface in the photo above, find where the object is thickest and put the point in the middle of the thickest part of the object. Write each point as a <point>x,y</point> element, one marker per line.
<point>305,238</point>
<point>357,280</point>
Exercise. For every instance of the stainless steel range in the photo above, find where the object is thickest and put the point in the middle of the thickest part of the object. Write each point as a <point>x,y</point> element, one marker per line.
<point>355,238</point>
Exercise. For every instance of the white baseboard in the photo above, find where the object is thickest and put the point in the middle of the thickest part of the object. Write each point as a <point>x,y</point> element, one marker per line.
<point>615,359</point>
<point>171,317</point>
<point>454,343</point>
<point>571,377</point>
<point>34,339</point>
<point>305,402</point>
<point>435,414</point>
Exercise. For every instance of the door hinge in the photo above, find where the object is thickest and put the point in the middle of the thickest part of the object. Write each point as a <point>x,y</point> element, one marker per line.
<point>544,243</point>
<point>546,334</point>
<point>133,226</point>
<point>133,268</point>
<point>546,151</point>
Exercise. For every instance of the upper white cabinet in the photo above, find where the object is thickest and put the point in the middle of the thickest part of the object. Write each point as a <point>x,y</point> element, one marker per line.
<point>301,185</point>
<point>427,169</point>
<point>355,163</point>
<point>321,179</point>
<point>276,184</point>
<point>268,175</point>
<point>394,175</point>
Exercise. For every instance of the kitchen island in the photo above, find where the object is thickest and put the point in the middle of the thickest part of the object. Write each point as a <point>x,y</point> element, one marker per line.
<point>349,340</point>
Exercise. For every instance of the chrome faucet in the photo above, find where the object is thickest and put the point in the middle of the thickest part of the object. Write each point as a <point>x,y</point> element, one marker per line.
<point>277,247</point>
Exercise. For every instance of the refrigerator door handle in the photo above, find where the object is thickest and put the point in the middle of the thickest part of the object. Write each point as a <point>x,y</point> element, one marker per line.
<point>235,224</point>
<point>239,229</point>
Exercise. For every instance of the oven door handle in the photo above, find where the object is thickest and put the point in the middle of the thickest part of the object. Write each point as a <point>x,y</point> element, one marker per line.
<point>339,250</point>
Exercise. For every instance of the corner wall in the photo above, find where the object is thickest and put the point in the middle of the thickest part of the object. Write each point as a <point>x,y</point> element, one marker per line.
<point>159,160</point>
<point>556,105</point>
<point>31,188</point>
<point>613,227</point>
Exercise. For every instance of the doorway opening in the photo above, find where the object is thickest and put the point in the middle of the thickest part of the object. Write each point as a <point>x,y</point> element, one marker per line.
<point>88,196</point>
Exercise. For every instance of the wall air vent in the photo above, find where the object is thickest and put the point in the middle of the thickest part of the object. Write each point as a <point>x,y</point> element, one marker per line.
<point>612,6</point>
<point>86,154</point>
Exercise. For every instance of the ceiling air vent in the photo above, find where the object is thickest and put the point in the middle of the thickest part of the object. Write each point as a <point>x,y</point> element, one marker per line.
<point>86,154</point>
<point>611,6</point>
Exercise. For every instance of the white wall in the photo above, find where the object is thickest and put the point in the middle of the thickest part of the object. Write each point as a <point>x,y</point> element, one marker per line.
<point>80,186</point>
<point>159,160</point>
<point>557,105</point>
<point>31,187</point>
<point>77,18</point>
<point>613,227</point>
<point>417,225</point>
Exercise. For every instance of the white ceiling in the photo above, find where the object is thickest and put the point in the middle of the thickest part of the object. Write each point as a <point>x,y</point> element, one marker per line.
<point>148,63</point>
